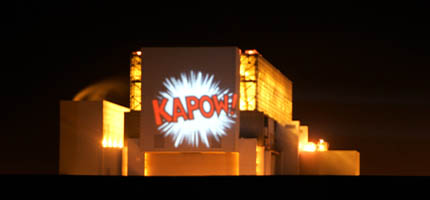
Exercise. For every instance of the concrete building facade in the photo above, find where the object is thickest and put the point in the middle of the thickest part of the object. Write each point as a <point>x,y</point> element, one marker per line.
<point>196,111</point>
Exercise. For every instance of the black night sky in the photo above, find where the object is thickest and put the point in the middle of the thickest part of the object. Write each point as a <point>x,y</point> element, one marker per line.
<point>359,71</point>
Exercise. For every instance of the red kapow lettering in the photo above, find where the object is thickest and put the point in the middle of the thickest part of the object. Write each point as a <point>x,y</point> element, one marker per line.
<point>193,104</point>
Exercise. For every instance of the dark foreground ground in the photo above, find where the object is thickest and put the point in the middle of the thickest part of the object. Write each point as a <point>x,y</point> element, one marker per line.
<point>286,187</point>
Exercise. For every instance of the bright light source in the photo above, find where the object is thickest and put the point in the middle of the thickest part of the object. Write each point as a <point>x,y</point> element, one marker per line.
<point>251,52</point>
<point>138,53</point>
<point>310,147</point>
<point>322,145</point>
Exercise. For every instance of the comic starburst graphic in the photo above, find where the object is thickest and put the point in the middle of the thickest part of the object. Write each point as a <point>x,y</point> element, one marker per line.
<point>198,129</point>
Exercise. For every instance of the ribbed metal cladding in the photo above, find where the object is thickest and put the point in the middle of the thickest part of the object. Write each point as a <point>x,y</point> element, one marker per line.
<point>264,88</point>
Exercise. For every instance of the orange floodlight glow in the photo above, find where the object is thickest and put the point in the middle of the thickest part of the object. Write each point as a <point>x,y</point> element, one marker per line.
<point>259,161</point>
<point>251,52</point>
<point>310,147</point>
<point>124,163</point>
<point>322,145</point>
<point>145,172</point>
<point>154,160</point>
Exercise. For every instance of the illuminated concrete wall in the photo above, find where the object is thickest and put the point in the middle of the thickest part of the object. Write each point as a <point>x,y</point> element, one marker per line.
<point>248,156</point>
<point>113,125</point>
<point>191,163</point>
<point>82,130</point>
<point>164,164</point>
<point>258,136</point>
<point>170,76</point>
<point>330,163</point>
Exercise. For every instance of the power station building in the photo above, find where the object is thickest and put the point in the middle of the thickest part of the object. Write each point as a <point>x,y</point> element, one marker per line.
<point>196,111</point>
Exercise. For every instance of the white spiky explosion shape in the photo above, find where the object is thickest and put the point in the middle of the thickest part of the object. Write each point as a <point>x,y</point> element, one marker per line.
<point>198,129</point>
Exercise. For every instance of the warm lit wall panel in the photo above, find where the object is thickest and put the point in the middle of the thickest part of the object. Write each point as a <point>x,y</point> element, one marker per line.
<point>260,160</point>
<point>124,162</point>
<point>248,156</point>
<point>191,164</point>
<point>113,125</point>
<point>248,84</point>
<point>330,163</point>
<point>274,92</point>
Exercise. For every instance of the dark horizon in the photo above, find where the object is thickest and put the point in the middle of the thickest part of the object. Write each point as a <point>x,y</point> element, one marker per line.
<point>359,73</point>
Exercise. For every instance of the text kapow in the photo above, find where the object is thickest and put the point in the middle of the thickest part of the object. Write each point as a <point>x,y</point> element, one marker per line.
<point>192,104</point>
